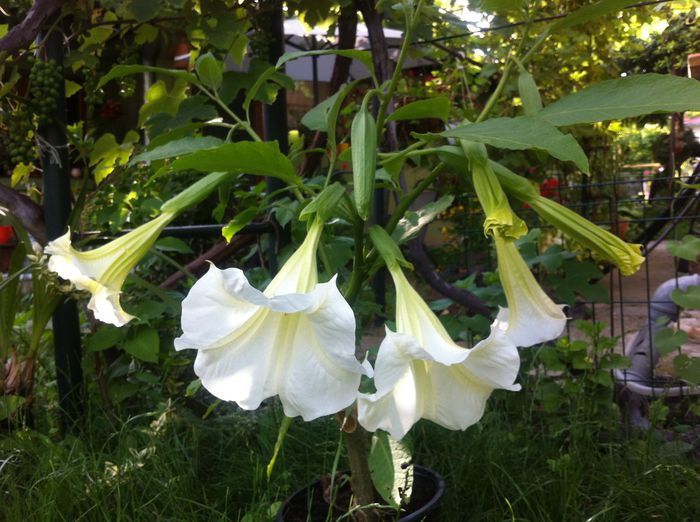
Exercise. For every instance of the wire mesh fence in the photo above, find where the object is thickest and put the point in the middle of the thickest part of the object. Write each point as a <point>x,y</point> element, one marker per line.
<point>644,205</point>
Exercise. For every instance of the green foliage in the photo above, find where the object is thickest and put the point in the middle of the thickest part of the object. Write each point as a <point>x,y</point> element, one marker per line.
<point>577,374</point>
<point>522,134</point>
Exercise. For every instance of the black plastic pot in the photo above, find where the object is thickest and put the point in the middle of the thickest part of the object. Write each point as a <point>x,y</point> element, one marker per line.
<point>428,490</point>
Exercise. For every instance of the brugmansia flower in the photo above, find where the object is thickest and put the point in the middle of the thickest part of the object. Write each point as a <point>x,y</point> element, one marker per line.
<point>500,218</point>
<point>421,373</point>
<point>602,243</point>
<point>531,316</point>
<point>102,271</point>
<point>296,339</point>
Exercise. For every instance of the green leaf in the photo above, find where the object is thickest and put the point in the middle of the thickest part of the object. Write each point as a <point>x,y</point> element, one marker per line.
<point>317,118</point>
<point>689,300</point>
<point>391,469</point>
<point>687,368</point>
<point>9,404</point>
<point>72,88</point>
<point>145,33</point>
<point>209,71</point>
<point>180,147</point>
<point>160,99</point>
<point>668,340</point>
<point>243,157</point>
<point>625,98</point>
<point>144,345</point>
<point>236,224</point>
<point>438,107</point>
<point>234,81</point>
<point>362,56</point>
<point>107,153</point>
<point>144,11</point>
<point>105,337</point>
<point>271,74</point>
<point>410,225</point>
<point>20,174</point>
<point>687,248</point>
<point>193,387</point>
<point>529,93</point>
<point>119,71</point>
<point>526,132</point>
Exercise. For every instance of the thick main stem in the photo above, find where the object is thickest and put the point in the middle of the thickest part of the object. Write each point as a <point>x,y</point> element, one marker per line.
<point>357,443</point>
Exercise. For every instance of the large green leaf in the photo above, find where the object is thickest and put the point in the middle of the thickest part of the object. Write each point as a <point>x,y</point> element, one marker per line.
<point>144,345</point>
<point>248,157</point>
<point>522,133</point>
<point>438,107</point>
<point>625,98</point>
<point>389,463</point>
<point>180,147</point>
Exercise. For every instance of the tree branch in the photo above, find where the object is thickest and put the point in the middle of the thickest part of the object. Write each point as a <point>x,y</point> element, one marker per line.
<point>419,257</point>
<point>26,211</point>
<point>24,33</point>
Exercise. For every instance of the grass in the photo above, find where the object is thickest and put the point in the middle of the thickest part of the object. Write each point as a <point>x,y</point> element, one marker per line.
<point>170,465</point>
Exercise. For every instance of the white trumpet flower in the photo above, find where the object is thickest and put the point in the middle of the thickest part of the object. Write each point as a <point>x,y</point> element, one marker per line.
<point>296,339</point>
<point>531,317</point>
<point>102,271</point>
<point>421,373</point>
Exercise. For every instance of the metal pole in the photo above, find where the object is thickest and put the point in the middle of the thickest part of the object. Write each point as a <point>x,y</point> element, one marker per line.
<point>57,207</point>
<point>275,114</point>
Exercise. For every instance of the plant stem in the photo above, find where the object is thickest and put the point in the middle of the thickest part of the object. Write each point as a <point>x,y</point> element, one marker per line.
<point>357,444</point>
<point>359,272</point>
<point>408,37</point>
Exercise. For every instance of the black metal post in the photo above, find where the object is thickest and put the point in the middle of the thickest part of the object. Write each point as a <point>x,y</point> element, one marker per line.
<point>57,207</point>
<point>275,114</point>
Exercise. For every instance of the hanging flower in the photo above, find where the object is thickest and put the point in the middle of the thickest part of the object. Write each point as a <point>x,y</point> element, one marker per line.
<point>102,271</point>
<point>531,317</point>
<point>296,339</point>
<point>603,244</point>
<point>421,373</point>
<point>500,217</point>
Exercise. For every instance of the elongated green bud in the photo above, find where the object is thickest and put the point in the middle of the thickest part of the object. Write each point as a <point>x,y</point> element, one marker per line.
<point>195,192</point>
<point>363,138</point>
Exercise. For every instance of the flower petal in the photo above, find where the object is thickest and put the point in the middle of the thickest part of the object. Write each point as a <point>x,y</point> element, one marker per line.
<point>454,395</point>
<point>106,306</point>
